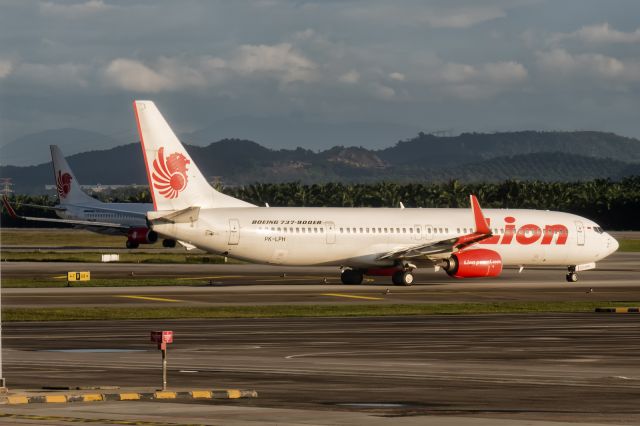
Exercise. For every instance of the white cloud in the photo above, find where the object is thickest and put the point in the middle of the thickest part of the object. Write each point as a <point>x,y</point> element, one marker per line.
<point>559,62</point>
<point>168,74</point>
<point>350,77</point>
<point>64,75</point>
<point>599,33</point>
<point>454,16</point>
<point>280,60</point>
<point>6,66</point>
<point>74,10</point>
<point>479,81</point>
<point>497,72</point>
<point>397,76</point>
<point>384,92</point>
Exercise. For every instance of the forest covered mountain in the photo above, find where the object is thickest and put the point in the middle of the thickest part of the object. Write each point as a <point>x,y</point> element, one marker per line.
<point>469,157</point>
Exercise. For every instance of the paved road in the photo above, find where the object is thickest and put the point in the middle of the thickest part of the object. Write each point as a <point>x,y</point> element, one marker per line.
<point>213,285</point>
<point>563,367</point>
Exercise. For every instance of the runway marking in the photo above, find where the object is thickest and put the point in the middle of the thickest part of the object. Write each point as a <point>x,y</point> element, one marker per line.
<point>212,278</point>
<point>155,299</point>
<point>60,277</point>
<point>352,296</point>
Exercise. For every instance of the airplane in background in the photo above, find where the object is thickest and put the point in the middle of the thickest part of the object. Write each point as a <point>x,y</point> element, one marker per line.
<point>361,241</point>
<point>77,208</point>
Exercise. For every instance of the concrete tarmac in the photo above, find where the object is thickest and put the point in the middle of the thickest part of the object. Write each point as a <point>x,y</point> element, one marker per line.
<point>463,369</point>
<point>615,279</point>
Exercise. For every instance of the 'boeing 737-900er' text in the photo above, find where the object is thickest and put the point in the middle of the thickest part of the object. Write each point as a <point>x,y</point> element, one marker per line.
<point>465,243</point>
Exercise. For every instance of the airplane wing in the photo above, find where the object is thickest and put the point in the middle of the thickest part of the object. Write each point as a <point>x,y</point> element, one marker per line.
<point>39,206</point>
<point>14,215</point>
<point>448,246</point>
<point>110,210</point>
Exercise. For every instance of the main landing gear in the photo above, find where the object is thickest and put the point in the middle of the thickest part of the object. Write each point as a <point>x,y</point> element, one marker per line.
<point>402,278</point>
<point>352,276</point>
<point>398,276</point>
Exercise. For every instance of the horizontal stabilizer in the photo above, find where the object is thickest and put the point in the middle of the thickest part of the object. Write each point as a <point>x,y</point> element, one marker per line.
<point>190,214</point>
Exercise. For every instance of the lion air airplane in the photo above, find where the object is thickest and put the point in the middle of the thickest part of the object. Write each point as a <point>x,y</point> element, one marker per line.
<point>466,243</point>
<point>77,208</point>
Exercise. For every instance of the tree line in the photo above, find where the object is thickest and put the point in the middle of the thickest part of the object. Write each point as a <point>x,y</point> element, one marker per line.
<point>613,204</point>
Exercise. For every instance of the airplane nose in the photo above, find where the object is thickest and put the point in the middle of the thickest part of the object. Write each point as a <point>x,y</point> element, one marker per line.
<point>612,244</point>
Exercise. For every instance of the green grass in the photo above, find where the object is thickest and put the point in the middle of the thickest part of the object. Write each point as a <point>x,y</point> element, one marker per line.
<point>629,245</point>
<point>281,311</point>
<point>40,282</point>
<point>51,237</point>
<point>130,257</point>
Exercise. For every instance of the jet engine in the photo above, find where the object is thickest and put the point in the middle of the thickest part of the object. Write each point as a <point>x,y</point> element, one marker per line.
<point>474,264</point>
<point>137,236</point>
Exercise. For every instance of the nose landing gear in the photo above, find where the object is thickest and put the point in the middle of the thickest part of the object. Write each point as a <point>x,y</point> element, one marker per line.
<point>572,277</point>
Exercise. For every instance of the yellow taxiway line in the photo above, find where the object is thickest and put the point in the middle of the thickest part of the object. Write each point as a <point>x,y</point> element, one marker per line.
<point>352,296</point>
<point>213,278</point>
<point>154,299</point>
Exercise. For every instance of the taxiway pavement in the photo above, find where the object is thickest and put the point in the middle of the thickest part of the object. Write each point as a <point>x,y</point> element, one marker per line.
<point>393,370</point>
<point>615,279</point>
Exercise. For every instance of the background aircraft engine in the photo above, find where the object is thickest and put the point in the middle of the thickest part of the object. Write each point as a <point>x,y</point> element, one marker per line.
<point>474,264</point>
<point>137,236</point>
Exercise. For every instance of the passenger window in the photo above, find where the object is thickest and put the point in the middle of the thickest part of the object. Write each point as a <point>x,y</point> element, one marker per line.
<point>404,230</point>
<point>373,230</point>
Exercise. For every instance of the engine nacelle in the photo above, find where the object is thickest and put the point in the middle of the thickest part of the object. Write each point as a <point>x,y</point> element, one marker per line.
<point>137,236</point>
<point>474,264</point>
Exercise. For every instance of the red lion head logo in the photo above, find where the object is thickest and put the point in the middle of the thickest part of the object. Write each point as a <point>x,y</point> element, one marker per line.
<point>170,173</point>
<point>63,184</point>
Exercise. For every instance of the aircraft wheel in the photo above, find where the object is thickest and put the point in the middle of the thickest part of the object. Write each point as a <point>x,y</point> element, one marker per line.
<point>169,243</point>
<point>351,276</point>
<point>572,277</point>
<point>402,278</point>
<point>132,245</point>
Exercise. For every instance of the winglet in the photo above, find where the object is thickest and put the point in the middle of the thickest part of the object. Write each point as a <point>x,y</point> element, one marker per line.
<point>7,206</point>
<point>481,222</point>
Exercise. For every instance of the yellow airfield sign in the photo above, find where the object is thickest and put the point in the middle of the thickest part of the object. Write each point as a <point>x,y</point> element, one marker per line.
<point>79,276</point>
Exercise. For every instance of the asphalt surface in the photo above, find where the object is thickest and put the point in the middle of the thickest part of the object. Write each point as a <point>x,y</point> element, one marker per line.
<point>400,370</point>
<point>615,279</point>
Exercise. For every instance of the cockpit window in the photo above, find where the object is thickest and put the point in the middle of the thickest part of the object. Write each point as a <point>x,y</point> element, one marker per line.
<point>598,229</point>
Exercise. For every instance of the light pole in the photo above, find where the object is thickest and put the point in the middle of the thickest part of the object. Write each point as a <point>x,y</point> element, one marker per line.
<point>3,384</point>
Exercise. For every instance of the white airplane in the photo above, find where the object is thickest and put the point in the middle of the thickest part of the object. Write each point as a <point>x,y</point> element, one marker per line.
<point>361,241</point>
<point>77,208</point>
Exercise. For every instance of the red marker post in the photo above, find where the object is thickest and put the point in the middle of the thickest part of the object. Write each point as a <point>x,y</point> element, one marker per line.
<point>162,338</point>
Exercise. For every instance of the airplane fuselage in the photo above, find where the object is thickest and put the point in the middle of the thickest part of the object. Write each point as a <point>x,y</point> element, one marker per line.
<point>356,237</point>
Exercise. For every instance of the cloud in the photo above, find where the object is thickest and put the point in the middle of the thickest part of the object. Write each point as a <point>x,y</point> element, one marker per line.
<point>64,75</point>
<point>168,74</point>
<point>350,77</point>
<point>280,60</point>
<point>559,62</point>
<point>74,10</point>
<point>479,81</point>
<point>498,72</point>
<point>443,16</point>
<point>6,66</point>
<point>397,76</point>
<point>599,34</point>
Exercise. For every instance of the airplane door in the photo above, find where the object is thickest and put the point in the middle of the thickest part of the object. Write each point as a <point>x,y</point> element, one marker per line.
<point>330,229</point>
<point>580,233</point>
<point>428,232</point>
<point>234,231</point>
<point>417,232</point>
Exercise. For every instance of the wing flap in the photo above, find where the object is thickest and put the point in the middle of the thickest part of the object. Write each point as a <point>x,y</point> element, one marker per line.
<point>449,245</point>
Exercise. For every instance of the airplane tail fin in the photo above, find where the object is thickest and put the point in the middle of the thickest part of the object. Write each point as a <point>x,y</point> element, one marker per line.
<point>67,187</point>
<point>175,181</point>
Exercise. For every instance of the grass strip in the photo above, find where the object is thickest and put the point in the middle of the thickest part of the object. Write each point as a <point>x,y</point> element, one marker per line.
<point>39,282</point>
<point>282,311</point>
<point>629,245</point>
<point>131,257</point>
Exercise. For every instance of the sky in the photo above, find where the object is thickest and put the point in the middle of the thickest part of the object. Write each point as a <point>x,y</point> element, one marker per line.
<point>456,65</point>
